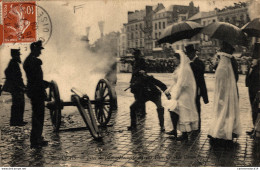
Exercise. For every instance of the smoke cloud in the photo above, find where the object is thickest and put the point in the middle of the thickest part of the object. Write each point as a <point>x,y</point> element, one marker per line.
<point>66,58</point>
<point>254,9</point>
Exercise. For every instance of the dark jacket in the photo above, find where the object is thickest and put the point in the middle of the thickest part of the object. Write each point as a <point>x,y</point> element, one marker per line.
<point>146,86</point>
<point>235,67</point>
<point>35,83</point>
<point>198,69</point>
<point>253,78</point>
<point>138,64</point>
<point>14,80</point>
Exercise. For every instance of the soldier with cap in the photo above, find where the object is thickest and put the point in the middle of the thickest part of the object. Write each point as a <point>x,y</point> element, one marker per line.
<point>198,69</point>
<point>36,92</point>
<point>253,83</point>
<point>138,66</point>
<point>145,88</point>
<point>14,84</point>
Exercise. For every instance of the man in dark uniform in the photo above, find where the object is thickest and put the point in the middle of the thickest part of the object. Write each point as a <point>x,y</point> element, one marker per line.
<point>253,83</point>
<point>198,69</point>
<point>137,66</point>
<point>36,92</point>
<point>14,84</point>
<point>145,88</point>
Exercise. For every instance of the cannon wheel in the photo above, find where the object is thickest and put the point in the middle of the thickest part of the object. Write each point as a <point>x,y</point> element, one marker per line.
<point>104,102</point>
<point>55,111</point>
<point>88,117</point>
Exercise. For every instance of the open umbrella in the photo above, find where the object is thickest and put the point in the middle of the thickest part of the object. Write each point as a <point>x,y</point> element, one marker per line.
<point>226,32</point>
<point>179,31</point>
<point>252,28</point>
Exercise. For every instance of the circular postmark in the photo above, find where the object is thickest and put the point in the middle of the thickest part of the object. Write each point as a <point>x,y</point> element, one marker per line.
<point>43,25</point>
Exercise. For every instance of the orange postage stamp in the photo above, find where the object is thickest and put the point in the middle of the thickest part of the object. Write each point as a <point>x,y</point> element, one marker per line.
<point>19,22</point>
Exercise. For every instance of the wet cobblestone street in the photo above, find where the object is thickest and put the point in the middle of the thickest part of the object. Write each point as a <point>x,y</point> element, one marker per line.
<point>74,146</point>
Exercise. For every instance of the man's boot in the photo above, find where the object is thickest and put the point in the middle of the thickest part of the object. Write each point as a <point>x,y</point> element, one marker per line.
<point>133,119</point>
<point>160,112</point>
<point>174,131</point>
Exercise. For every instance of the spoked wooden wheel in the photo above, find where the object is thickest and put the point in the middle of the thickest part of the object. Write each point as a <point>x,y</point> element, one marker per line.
<point>103,102</point>
<point>54,105</point>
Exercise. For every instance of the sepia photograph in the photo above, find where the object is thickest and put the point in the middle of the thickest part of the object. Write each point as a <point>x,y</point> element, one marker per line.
<point>121,83</point>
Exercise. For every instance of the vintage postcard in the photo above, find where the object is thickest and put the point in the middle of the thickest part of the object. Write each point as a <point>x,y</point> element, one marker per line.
<point>120,83</point>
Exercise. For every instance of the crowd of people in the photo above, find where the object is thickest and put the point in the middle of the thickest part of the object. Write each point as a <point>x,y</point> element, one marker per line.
<point>188,87</point>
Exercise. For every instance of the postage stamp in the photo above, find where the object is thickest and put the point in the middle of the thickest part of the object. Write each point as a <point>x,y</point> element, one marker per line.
<point>25,22</point>
<point>19,22</point>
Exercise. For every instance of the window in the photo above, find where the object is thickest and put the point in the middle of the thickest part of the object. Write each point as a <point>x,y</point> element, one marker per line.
<point>136,35</point>
<point>221,19</point>
<point>135,26</point>
<point>141,26</point>
<point>136,43</point>
<point>159,34</point>
<point>159,25</point>
<point>132,35</point>
<point>141,43</point>
<point>127,28</point>
<point>204,23</point>
<point>155,26</point>
<point>156,36</point>
<point>163,25</point>
<point>141,34</point>
<point>214,20</point>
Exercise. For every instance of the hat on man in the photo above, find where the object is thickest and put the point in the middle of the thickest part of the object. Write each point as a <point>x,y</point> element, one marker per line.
<point>227,47</point>
<point>36,45</point>
<point>256,51</point>
<point>136,52</point>
<point>189,49</point>
<point>15,52</point>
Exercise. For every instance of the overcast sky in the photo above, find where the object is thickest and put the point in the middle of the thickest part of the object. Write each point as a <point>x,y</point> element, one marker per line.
<point>114,13</point>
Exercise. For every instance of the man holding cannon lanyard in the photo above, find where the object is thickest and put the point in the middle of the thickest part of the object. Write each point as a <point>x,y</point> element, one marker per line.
<point>145,88</point>
<point>36,92</point>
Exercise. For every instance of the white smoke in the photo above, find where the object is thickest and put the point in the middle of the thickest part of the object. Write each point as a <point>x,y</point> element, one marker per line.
<point>66,58</point>
<point>254,9</point>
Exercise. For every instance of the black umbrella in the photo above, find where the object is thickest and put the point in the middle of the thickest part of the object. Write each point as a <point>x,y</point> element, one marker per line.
<point>179,31</point>
<point>252,28</point>
<point>226,32</point>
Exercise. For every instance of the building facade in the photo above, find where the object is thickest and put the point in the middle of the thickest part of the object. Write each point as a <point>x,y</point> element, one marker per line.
<point>173,14</point>
<point>134,30</point>
<point>122,42</point>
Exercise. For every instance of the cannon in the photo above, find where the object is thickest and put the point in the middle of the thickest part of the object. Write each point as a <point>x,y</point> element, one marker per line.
<point>100,113</point>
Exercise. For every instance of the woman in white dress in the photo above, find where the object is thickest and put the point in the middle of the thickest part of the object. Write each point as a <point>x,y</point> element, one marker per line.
<point>226,121</point>
<point>183,111</point>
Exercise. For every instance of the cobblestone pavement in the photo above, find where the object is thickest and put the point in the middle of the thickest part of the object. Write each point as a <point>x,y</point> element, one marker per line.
<point>145,147</point>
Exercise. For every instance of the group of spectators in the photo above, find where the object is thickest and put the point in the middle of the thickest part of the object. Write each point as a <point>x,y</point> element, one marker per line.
<point>188,87</point>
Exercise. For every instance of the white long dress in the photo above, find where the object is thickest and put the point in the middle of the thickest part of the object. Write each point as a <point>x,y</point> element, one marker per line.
<point>183,96</point>
<point>226,117</point>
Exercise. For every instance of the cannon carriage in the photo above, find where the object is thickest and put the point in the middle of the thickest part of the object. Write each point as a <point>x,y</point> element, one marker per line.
<point>95,112</point>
